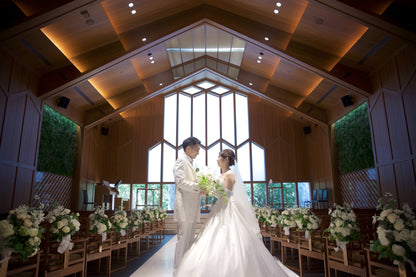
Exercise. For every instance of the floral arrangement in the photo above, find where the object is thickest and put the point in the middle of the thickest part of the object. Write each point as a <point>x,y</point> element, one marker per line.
<point>135,219</point>
<point>63,222</point>
<point>159,214</point>
<point>396,232</point>
<point>268,216</point>
<point>147,215</point>
<point>344,225</point>
<point>120,221</point>
<point>306,220</point>
<point>21,232</point>
<point>287,220</point>
<point>99,221</point>
<point>210,184</point>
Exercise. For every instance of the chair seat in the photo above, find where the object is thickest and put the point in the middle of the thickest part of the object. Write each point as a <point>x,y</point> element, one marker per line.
<point>381,272</point>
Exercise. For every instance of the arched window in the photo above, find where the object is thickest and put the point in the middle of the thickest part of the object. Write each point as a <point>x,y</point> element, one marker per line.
<point>218,117</point>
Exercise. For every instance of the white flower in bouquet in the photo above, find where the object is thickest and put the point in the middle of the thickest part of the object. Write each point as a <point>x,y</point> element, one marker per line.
<point>305,219</point>
<point>396,232</point>
<point>21,231</point>
<point>209,182</point>
<point>135,219</point>
<point>63,223</point>
<point>343,226</point>
<point>119,221</point>
<point>99,221</point>
<point>147,215</point>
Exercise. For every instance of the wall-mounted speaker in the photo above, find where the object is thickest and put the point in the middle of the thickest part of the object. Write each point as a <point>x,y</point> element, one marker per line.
<point>307,130</point>
<point>63,102</point>
<point>104,131</point>
<point>347,100</point>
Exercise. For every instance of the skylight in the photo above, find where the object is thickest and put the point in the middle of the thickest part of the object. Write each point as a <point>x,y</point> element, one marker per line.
<point>192,90</point>
<point>205,85</point>
<point>220,90</point>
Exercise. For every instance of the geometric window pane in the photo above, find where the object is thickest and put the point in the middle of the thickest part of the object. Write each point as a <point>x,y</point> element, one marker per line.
<point>227,146</point>
<point>169,130</point>
<point>169,156</point>
<point>153,195</point>
<point>184,120</point>
<point>138,196</point>
<point>168,202</point>
<point>243,156</point>
<point>227,118</point>
<point>192,90</point>
<point>289,194</point>
<point>199,118</point>
<point>205,85</point>
<point>304,192</point>
<point>199,161</point>
<point>213,156</point>
<point>259,194</point>
<point>124,191</point>
<point>248,190</point>
<point>275,197</point>
<point>241,113</point>
<point>213,120</point>
<point>259,168</point>
<point>220,90</point>
<point>154,164</point>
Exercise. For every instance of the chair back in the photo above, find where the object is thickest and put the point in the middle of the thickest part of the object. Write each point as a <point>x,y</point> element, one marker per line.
<point>315,195</point>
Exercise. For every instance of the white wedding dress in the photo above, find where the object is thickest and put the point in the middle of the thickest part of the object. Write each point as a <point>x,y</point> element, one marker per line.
<point>229,246</point>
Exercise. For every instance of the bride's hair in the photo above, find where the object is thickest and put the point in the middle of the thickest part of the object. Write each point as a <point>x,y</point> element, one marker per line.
<point>228,153</point>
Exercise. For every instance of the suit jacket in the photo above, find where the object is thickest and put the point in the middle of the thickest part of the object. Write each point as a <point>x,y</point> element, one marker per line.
<point>187,199</point>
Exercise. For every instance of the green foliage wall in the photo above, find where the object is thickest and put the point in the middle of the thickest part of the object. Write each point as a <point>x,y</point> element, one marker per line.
<point>353,140</point>
<point>57,146</point>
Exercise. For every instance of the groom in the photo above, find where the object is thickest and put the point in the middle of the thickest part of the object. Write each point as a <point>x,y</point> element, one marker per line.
<point>187,198</point>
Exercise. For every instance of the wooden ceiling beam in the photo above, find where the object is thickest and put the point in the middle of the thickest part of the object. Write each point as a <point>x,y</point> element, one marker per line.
<point>191,76</point>
<point>370,20</point>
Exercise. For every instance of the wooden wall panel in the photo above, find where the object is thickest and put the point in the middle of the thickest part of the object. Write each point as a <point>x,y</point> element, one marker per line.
<point>21,114</point>
<point>393,125</point>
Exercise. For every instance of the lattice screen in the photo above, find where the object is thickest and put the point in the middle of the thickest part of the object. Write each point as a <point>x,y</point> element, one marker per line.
<point>360,188</point>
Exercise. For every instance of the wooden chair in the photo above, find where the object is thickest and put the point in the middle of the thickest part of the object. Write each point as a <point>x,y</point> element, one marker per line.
<point>275,237</point>
<point>313,247</point>
<point>133,244</point>
<point>352,261</point>
<point>70,262</point>
<point>290,241</point>
<point>97,251</point>
<point>384,267</point>
<point>118,244</point>
<point>15,266</point>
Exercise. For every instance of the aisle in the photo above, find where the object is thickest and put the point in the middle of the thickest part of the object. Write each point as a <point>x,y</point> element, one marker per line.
<point>161,263</point>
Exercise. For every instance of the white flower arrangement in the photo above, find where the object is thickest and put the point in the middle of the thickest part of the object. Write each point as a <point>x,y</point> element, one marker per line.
<point>21,231</point>
<point>306,220</point>
<point>396,232</point>
<point>344,226</point>
<point>209,183</point>
<point>159,214</point>
<point>287,220</point>
<point>120,221</point>
<point>135,219</point>
<point>268,216</point>
<point>147,215</point>
<point>99,221</point>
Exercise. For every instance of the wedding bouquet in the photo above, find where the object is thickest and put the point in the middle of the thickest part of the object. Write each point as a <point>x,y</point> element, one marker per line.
<point>21,232</point>
<point>120,222</point>
<point>287,220</point>
<point>135,219</point>
<point>210,184</point>
<point>99,222</point>
<point>306,220</point>
<point>63,225</point>
<point>396,232</point>
<point>344,225</point>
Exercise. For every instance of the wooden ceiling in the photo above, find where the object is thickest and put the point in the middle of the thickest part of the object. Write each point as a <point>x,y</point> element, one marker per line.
<point>303,58</point>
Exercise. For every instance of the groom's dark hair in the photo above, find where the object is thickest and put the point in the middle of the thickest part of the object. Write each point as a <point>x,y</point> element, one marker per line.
<point>191,141</point>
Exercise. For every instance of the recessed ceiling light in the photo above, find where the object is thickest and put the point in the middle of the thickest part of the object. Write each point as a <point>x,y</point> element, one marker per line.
<point>150,58</point>
<point>266,38</point>
<point>133,11</point>
<point>258,61</point>
<point>161,84</point>
<point>152,61</point>
<point>144,39</point>
<point>260,57</point>
<point>276,11</point>
<point>131,5</point>
<point>278,4</point>
<point>250,84</point>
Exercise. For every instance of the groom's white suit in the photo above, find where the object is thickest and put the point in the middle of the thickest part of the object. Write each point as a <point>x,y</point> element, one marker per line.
<point>187,205</point>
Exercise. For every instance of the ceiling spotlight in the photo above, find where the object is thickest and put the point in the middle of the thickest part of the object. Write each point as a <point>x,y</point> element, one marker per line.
<point>150,58</point>
<point>276,11</point>
<point>131,5</point>
<point>144,39</point>
<point>250,83</point>
<point>133,11</point>
<point>260,57</point>
<point>152,61</point>
<point>278,4</point>
<point>266,38</point>
<point>258,61</point>
<point>161,84</point>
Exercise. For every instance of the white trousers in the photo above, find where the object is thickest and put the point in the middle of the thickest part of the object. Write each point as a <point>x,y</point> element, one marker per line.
<point>186,236</point>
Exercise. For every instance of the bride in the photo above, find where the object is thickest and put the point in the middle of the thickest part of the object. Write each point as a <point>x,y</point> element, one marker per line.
<point>230,242</point>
